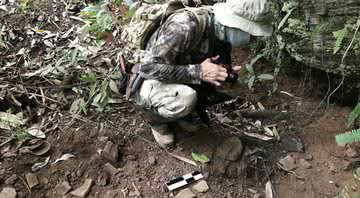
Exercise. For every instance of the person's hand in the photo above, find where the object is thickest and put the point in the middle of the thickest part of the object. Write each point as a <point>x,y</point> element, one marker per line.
<point>212,72</point>
<point>236,68</point>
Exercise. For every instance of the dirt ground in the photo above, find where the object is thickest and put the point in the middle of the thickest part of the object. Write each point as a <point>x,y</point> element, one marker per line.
<point>143,167</point>
<point>85,136</point>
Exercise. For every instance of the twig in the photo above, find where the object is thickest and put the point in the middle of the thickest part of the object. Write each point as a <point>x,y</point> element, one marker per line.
<point>26,185</point>
<point>38,95</point>
<point>11,138</point>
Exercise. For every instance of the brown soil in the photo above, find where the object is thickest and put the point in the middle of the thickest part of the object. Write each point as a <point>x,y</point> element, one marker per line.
<point>84,136</point>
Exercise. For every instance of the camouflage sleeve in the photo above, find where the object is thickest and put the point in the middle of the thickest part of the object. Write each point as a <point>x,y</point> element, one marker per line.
<point>173,38</point>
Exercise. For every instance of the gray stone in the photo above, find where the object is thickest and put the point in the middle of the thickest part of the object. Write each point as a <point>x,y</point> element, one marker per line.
<point>103,180</point>
<point>201,187</point>
<point>83,190</point>
<point>111,169</point>
<point>8,193</point>
<point>63,188</point>
<point>110,152</point>
<point>31,180</point>
<point>288,163</point>
<point>305,164</point>
<point>185,193</point>
<point>11,180</point>
<point>230,149</point>
<point>291,143</point>
<point>152,160</point>
<point>308,157</point>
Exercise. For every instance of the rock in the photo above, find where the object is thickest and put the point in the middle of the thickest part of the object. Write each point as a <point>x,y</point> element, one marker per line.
<point>103,180</point>
<point>8,193</point>
<point>291,143</point>
<point>112,194</point>
<point>201,187</point>
<point>185,193</point>
<point>257,195</point>
<point>230,149</point>
<point>288,163</point>
<point>111,169</point>
<point>110,151</point>
<point>131,158</point>
<point>350,152</point>
<point>11,180</point>
<point>152,160</point>
<point>31,180</point>
<point>332,167</point>
<point>83,190</point>
<point>41,18</point>
<point>308,157</point>
<point>63,188</point>
<point>305,164</point>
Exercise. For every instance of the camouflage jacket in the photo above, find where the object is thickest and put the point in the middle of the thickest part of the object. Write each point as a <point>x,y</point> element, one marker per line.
<point>170,55</point>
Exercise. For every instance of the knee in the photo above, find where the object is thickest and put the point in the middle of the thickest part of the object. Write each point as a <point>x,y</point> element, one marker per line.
<point>182,106</point>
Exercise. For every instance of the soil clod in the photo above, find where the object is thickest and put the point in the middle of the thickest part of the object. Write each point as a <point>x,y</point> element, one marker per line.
<point>32,180</point>
<point>110,151</point>
<point>185,193</point>
<point>8,193</point>
<point>201,187</point>
<point>63,188</point>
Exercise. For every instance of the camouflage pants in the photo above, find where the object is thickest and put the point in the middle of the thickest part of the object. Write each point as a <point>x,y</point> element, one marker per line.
<point>161,103</point>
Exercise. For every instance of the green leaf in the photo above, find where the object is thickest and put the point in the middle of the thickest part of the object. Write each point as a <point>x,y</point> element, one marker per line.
<point>251,81</point>
<point>354,115</point>
<point>265,77</point>
<point>90,78</point>
<point>104,21</point>
<point>249,68</point>
<point>200,158</point>
<point>339,35</point>
<point>348,137</point>
<point>92,90</point>
<point>113,86</point>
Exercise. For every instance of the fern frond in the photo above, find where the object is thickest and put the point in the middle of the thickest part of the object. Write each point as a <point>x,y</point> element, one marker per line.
<point>354,115</point>
<point>348,137</point>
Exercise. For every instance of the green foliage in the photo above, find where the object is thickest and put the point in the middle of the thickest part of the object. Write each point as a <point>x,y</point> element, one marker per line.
<point>339,35</point>
<point>348,137</point>
<point>354,115</point>
<point>252,76</point>
<point>22,135</point>
<point>200,158</point>
<point>24,5</point>
<point>98,19</point>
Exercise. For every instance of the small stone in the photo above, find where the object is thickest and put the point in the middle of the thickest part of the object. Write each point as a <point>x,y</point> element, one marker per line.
<point>257,195</point>
<point>79,173</point>
<point>185,193</point>
<point>288,162</point>
<point>152,160</point>
<point>112,194</point>
<point>131,157</point>
<point>111,169</point>
<point>11,180</point>
<point>230,149</point>
<point>103,180</point>
<point>110,151</point>
<point>31,180</point>
<point>304,163</point>
<point>308,157</point>
<point>63,188</point>
<point>201,187</point>
<point>350,152</point>
<point>8,193</point>
<point>41,18</point>
<point>332,167</point>
<point>83,190</point>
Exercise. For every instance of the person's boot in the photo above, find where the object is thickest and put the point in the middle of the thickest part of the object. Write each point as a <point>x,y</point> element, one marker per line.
<point>189,123</point>
<point>163,135</point>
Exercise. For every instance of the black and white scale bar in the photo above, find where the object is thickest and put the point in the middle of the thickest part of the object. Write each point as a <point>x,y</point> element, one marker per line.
<point>184,180</point>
